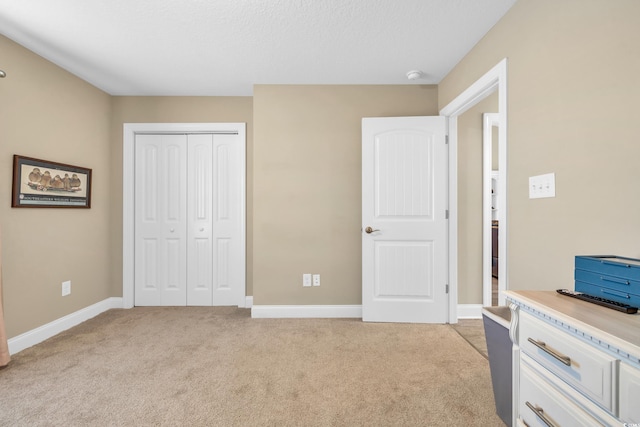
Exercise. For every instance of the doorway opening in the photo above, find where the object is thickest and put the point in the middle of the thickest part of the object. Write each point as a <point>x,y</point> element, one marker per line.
<point>490,209</point>
<point>492,81</point>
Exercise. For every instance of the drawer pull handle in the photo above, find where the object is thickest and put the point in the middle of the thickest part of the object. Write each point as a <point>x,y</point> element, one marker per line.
<point>542,346</point>
<point>615,293</point>
<point>540,414</point>
<point>617,264</point>
<point>615,280</point>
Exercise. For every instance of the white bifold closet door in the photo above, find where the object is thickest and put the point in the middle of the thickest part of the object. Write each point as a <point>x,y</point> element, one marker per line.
<point>187,220</point>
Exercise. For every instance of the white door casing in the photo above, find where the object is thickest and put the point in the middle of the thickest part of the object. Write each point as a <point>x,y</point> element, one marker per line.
<point>404,200</point>
<point>214,216</point>
<point>492,80</point>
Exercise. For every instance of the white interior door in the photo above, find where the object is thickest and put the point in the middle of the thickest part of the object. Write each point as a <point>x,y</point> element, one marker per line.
<point>199,223</point>
<point>161,220</point>
<point>228,280</point>
<point>189,219</point>
<point>404,220</point>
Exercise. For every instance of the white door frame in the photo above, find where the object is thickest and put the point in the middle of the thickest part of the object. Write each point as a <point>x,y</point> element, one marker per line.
<point>128,193</point>
<point>494,79</point>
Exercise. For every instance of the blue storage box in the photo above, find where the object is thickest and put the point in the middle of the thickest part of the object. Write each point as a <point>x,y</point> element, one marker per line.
<point>608,276</point>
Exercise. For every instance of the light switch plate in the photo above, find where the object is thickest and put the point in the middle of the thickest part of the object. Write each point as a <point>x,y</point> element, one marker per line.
<point>542,186</point>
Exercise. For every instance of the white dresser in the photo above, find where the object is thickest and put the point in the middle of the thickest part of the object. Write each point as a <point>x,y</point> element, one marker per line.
<point>574,363</point>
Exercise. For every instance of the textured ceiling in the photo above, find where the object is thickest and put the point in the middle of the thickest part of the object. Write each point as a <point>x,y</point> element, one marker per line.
<point>224,47</point>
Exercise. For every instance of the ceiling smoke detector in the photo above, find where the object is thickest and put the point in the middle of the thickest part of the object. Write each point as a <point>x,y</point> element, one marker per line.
<point>414,75</point>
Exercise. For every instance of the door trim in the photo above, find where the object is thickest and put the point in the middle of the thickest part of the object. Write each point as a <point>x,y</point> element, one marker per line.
<point>128,189</point>
<point>492,80</point>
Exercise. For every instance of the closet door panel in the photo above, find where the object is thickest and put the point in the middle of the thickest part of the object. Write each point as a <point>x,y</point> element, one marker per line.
<point>189,219</point>
<point>160,220</point>
<point>228,278</point>
<point>199,230</point>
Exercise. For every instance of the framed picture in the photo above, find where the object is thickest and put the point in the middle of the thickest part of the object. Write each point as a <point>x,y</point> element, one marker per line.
<point>44,184</point>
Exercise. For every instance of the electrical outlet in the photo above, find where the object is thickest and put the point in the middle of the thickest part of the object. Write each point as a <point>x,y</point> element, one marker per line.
<point>316,280</point>
<point>66,288</point>
<point>306,280</point>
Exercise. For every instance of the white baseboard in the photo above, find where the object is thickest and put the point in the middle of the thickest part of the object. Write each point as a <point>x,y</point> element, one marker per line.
<point>36,336</point>
<point>44,332</point>
<point>248,302</point>
<point>469,311</point>
<point>306,311</point>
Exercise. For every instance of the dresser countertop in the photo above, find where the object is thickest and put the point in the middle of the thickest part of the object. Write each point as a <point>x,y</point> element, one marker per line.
<point>617,329</point>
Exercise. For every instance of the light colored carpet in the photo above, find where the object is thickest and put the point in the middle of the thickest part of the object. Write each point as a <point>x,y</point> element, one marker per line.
<point>218,367</point>
<point>472,330</point>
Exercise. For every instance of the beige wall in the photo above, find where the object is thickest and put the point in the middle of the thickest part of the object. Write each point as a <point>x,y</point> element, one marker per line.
<point>307,177</point>
<point>49,114</point>
<point>573,68</point>
<point>573,84</point>
<point>133,109</point>
<point>470,130</point>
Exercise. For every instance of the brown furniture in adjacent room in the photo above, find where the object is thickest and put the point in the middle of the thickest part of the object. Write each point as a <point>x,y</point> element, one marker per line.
<point>494,249</point>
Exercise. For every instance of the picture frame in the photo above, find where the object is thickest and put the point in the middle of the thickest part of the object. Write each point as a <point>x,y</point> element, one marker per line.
<point>41,183</point>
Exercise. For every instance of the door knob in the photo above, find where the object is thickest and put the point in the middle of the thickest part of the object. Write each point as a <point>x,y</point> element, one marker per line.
<point>369,230</point>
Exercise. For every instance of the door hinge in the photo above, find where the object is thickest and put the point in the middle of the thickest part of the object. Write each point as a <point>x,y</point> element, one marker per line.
<point>446,139</point>
<point>446,214</point>
<point>447,288</point>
